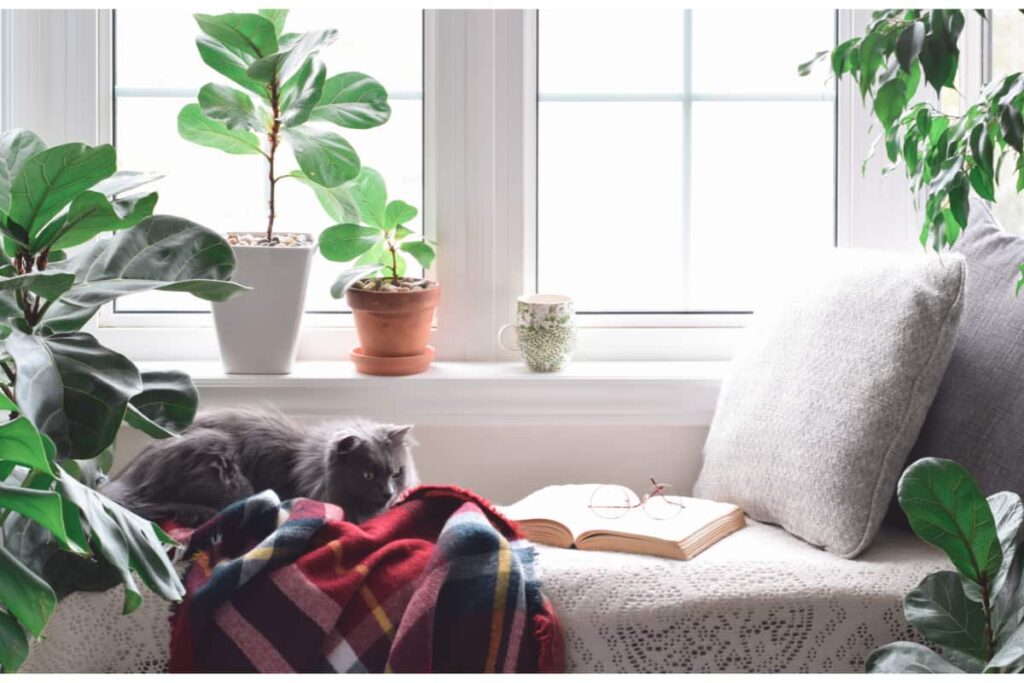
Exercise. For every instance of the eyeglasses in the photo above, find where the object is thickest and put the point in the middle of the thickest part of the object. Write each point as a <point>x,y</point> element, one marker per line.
<point>611,501</point>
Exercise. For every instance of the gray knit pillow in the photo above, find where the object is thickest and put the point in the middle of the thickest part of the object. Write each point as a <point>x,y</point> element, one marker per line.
<point>822,408</point>
<point>977,417</point>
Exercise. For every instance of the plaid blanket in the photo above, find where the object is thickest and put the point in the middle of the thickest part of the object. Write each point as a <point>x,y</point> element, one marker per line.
<point>441,582</point>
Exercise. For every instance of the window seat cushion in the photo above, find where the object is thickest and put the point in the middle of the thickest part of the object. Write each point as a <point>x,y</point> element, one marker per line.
<point>760,600</point>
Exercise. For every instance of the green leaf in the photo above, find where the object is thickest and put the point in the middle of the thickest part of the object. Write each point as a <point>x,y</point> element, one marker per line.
<point>959,204</point>
<point>74,390</point>
<point>231,107</point>
<point>347,241</point>
<point>164,253</point>
<point>350,277</point>
<point>398,212</point>
<point>1008,512</point>
<point>49,180</point>
<point>16,147</point>
<point>26,596</point>
<point>124,181</point>
<point>940,610</point>
<point>1010,657</point>
<point>44,508</point>
<point>353,100</point>
<point>890,100</point>
<point>909,44</point>
<point>13,644</point>
<point>1011,123</point>
<point>982,184</point>
<point>302,93</point>
<point>197,128</point>
<point>805,68</point>
<point>908,658</point>
<point>325,158</point>
<point>276,17</point>
<point>20,443</point>
<point>938,61</point>
<point>167,403</point>
<point>90,214</point>
<point>421,251</point>
<point>281,66</point>
<point>127,542</point>
<point>250,36</point>
<point>224,61</point>
<point>371,196</point>
<point>337,202</point>
<point>47,284</point>
<point>946,509</point>
<point>981,148</point>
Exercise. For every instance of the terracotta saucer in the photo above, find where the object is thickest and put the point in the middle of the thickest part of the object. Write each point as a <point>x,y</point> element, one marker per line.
<point>394,366</point>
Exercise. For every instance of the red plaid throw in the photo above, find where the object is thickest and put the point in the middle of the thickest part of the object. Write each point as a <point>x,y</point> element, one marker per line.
<point>441,582</point>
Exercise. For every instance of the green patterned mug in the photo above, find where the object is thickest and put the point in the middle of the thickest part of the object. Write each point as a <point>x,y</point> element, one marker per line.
<point>545,331</point>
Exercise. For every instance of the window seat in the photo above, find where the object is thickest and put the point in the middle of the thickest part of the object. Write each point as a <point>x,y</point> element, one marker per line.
<point>760,600</point>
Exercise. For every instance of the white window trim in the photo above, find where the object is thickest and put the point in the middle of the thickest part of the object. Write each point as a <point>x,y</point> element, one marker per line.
<point>480,137</point>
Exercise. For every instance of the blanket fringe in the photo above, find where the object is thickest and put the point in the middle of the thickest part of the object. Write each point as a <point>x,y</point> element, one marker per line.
<point>547,632</point>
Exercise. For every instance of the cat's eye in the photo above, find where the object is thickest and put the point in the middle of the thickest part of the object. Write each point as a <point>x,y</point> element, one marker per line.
<point>368,475</point>
<point>397,474</point>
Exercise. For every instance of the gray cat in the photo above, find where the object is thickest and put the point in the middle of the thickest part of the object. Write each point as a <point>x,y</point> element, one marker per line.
<point>227,455</point>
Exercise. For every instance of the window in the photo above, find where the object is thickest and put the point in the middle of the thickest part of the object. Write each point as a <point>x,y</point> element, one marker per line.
<point>1007,28</point>
<point>158,70</point>
<point>681,159</point>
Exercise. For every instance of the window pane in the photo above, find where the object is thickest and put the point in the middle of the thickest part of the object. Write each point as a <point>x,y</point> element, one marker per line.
<point>158,71</point>
<point>744,53</point>
<point>663,199</point>
<point>610,52</point>
<point>607,201</point>
<point>1007,58</point>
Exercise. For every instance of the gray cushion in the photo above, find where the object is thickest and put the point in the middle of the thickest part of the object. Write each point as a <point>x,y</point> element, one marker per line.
<point>820,411</point>
<point>977,417</point>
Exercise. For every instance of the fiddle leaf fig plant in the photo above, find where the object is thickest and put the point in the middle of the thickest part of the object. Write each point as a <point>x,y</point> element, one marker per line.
<point>285,97</point>
<point>66,395</point>
<point>902,53</point>
<point>377,241</point>
<point>975,614</point>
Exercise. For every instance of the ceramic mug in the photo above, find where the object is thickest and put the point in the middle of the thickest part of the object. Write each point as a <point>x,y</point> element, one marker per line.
<point>545,331</point>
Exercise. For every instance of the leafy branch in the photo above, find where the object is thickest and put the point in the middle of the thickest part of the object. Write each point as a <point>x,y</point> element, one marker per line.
<point>943,155</point>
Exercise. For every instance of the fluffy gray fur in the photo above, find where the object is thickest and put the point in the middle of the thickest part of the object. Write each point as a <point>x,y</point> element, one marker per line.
<point>226,455</point>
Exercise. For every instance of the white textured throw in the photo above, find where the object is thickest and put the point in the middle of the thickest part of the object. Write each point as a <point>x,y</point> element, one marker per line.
<point>760,600</point>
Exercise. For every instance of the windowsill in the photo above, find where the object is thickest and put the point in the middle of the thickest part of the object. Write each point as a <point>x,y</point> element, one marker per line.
<point>485,393</point>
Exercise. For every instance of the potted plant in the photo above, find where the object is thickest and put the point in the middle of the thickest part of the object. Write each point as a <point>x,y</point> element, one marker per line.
<point>974,613</point>
<point>64,394</point>
<point>393,312</point>
<point>296,104</point>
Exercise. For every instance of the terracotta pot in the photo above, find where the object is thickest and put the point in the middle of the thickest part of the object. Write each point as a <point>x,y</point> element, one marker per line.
<point>393,325</point>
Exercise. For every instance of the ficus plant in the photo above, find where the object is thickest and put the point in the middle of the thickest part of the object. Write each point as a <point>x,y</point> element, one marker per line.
<point>371,233</point>
<point>907,52</point>
<point>975,614</point>
<point>285,98</point>
<point>66,395</point>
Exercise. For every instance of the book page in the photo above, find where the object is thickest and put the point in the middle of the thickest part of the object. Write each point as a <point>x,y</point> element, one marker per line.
<point>570,506</point>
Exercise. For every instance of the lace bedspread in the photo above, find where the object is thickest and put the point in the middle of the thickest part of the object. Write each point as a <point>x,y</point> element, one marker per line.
<point>760,600</point>
<point>757,601</point>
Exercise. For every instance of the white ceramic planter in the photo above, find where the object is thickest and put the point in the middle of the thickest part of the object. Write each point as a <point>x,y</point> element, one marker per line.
<point>258,331</point>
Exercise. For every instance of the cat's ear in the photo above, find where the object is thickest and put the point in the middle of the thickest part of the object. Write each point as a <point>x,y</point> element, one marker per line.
<point>346,445</point>
<point>397,434</point>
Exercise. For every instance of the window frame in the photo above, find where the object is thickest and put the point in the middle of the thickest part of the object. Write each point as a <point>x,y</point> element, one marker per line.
<point>480,166</point>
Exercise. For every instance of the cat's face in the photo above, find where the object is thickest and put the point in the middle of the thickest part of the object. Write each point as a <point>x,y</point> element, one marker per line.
<point>368,468</point>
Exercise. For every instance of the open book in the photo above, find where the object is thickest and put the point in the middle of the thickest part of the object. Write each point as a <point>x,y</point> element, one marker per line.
<point>560,516</point>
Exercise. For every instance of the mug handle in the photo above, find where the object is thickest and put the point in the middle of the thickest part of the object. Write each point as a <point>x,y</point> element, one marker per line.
<point>501,338</point>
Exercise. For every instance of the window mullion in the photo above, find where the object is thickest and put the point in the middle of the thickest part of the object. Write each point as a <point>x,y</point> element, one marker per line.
<point>480,93</point>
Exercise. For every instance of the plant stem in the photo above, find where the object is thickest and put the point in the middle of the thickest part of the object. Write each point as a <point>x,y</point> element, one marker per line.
<point>986,607</point>
<point>274,138</point>
<point>394,262</point>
